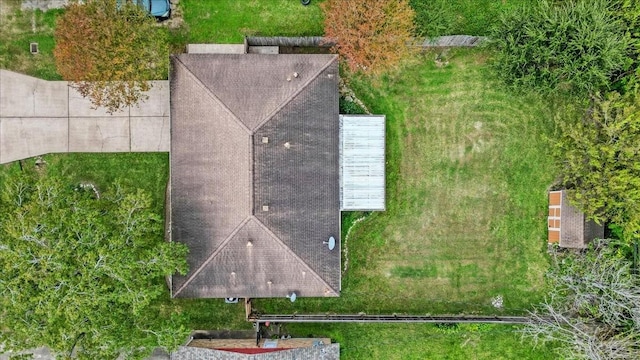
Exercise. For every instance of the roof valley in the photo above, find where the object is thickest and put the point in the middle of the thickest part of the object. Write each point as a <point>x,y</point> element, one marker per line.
<point>214,97</point>
<point>213,255</point>
<point>288,250</point>
<point>282,251</point>
<point>293,96</point>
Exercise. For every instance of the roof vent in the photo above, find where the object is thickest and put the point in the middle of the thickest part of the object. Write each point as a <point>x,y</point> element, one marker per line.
<point>265,140</point>
<point>287,145</point>
<point>249,243</point>
<point>288,78</point>
<point>269,282</point>
<point>295,74</point>
<point>265,207</point>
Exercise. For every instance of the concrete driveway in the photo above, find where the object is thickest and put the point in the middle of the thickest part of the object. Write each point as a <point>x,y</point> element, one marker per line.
<point>39,117</point>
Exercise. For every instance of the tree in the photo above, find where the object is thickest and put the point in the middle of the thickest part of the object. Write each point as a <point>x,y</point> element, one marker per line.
<point>593,308</point>
<point>598,156</point>
<point>109,52</point>
<point>372,35</point>
<point>578,47</point>
<point>84,271</point>
<point>629,12</point>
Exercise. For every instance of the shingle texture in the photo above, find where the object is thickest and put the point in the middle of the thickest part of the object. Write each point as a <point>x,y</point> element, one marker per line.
<point>575,230</point>
<point>254,214</point>
<point>322,352</point>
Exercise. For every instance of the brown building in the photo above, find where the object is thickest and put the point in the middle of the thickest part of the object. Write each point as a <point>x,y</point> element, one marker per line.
<point>254,186</point>
<point>276,349</point>
<point>568,227</point>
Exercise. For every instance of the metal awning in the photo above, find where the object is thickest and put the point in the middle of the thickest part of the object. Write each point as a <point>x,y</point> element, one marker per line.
<point>362,162</point>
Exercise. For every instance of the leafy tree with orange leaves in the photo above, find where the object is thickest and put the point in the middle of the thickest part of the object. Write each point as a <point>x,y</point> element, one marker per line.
<point>371,35</point>
<point>109,51</point>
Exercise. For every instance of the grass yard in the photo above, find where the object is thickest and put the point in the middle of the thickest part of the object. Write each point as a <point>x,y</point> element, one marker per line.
<point>468,165</point>
<point>220,21</point>
<point>19,29</point>
<point>460,17</point>
<point>425,341</point>
<point>467,171</point>
<point>147,171</point>
<point>229,21</point>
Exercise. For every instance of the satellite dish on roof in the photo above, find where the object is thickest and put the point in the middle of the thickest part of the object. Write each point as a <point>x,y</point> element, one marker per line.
<point>293,296</point>
<point>331,243</point>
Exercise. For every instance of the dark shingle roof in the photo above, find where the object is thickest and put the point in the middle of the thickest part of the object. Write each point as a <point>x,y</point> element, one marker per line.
<point>575,230</point>
<point>321,352</point>
<point>222,174</point>
<point>253,87</point>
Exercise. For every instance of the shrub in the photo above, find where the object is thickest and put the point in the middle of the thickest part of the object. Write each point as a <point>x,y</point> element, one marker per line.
<point>109,52</point>
<point>372,35</point>
<point>455,17</point>
<point>578,47</point>
<point>598,157</point>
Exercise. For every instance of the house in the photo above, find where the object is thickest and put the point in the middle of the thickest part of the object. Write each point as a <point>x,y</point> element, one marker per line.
<point>255,174</point>
<point>568,227</point>
<point>274,349</point>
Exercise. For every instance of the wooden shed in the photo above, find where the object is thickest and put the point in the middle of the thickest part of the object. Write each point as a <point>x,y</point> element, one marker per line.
<point>567,226</point>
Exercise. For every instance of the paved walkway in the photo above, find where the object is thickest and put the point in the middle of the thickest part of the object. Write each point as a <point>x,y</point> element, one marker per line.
<point>43,5</point>
<point>39,117</point>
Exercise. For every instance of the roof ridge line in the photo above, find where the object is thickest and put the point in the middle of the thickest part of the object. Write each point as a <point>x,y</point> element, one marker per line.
<point>291,252</point>
<point>290,98</point>
<point>213,254</point>
<point>214,97</point>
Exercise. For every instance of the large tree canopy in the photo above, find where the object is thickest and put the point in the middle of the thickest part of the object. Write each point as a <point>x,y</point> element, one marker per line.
<point>84,270</point>
<point>110,51</point>
<point>372,35</point>
<point>599,160</point>
<point>576,46</point>
<point>593,305</point>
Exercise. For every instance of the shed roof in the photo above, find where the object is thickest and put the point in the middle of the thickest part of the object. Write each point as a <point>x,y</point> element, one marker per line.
<point>254,174</point>
<point>362,162</point>
<point>567,225</point>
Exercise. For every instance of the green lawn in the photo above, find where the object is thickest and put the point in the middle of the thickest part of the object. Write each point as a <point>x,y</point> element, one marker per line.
<point>468,165</point>
<point>467,171</point>
<point>425,341</point>
<point>228,21</point>
<point>220,21</point>
<point>19,29</point>
<point>147,171</point>
<point>460,17</point>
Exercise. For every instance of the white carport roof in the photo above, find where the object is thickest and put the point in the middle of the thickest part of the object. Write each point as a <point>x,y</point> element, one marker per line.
<point>362,162</point>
